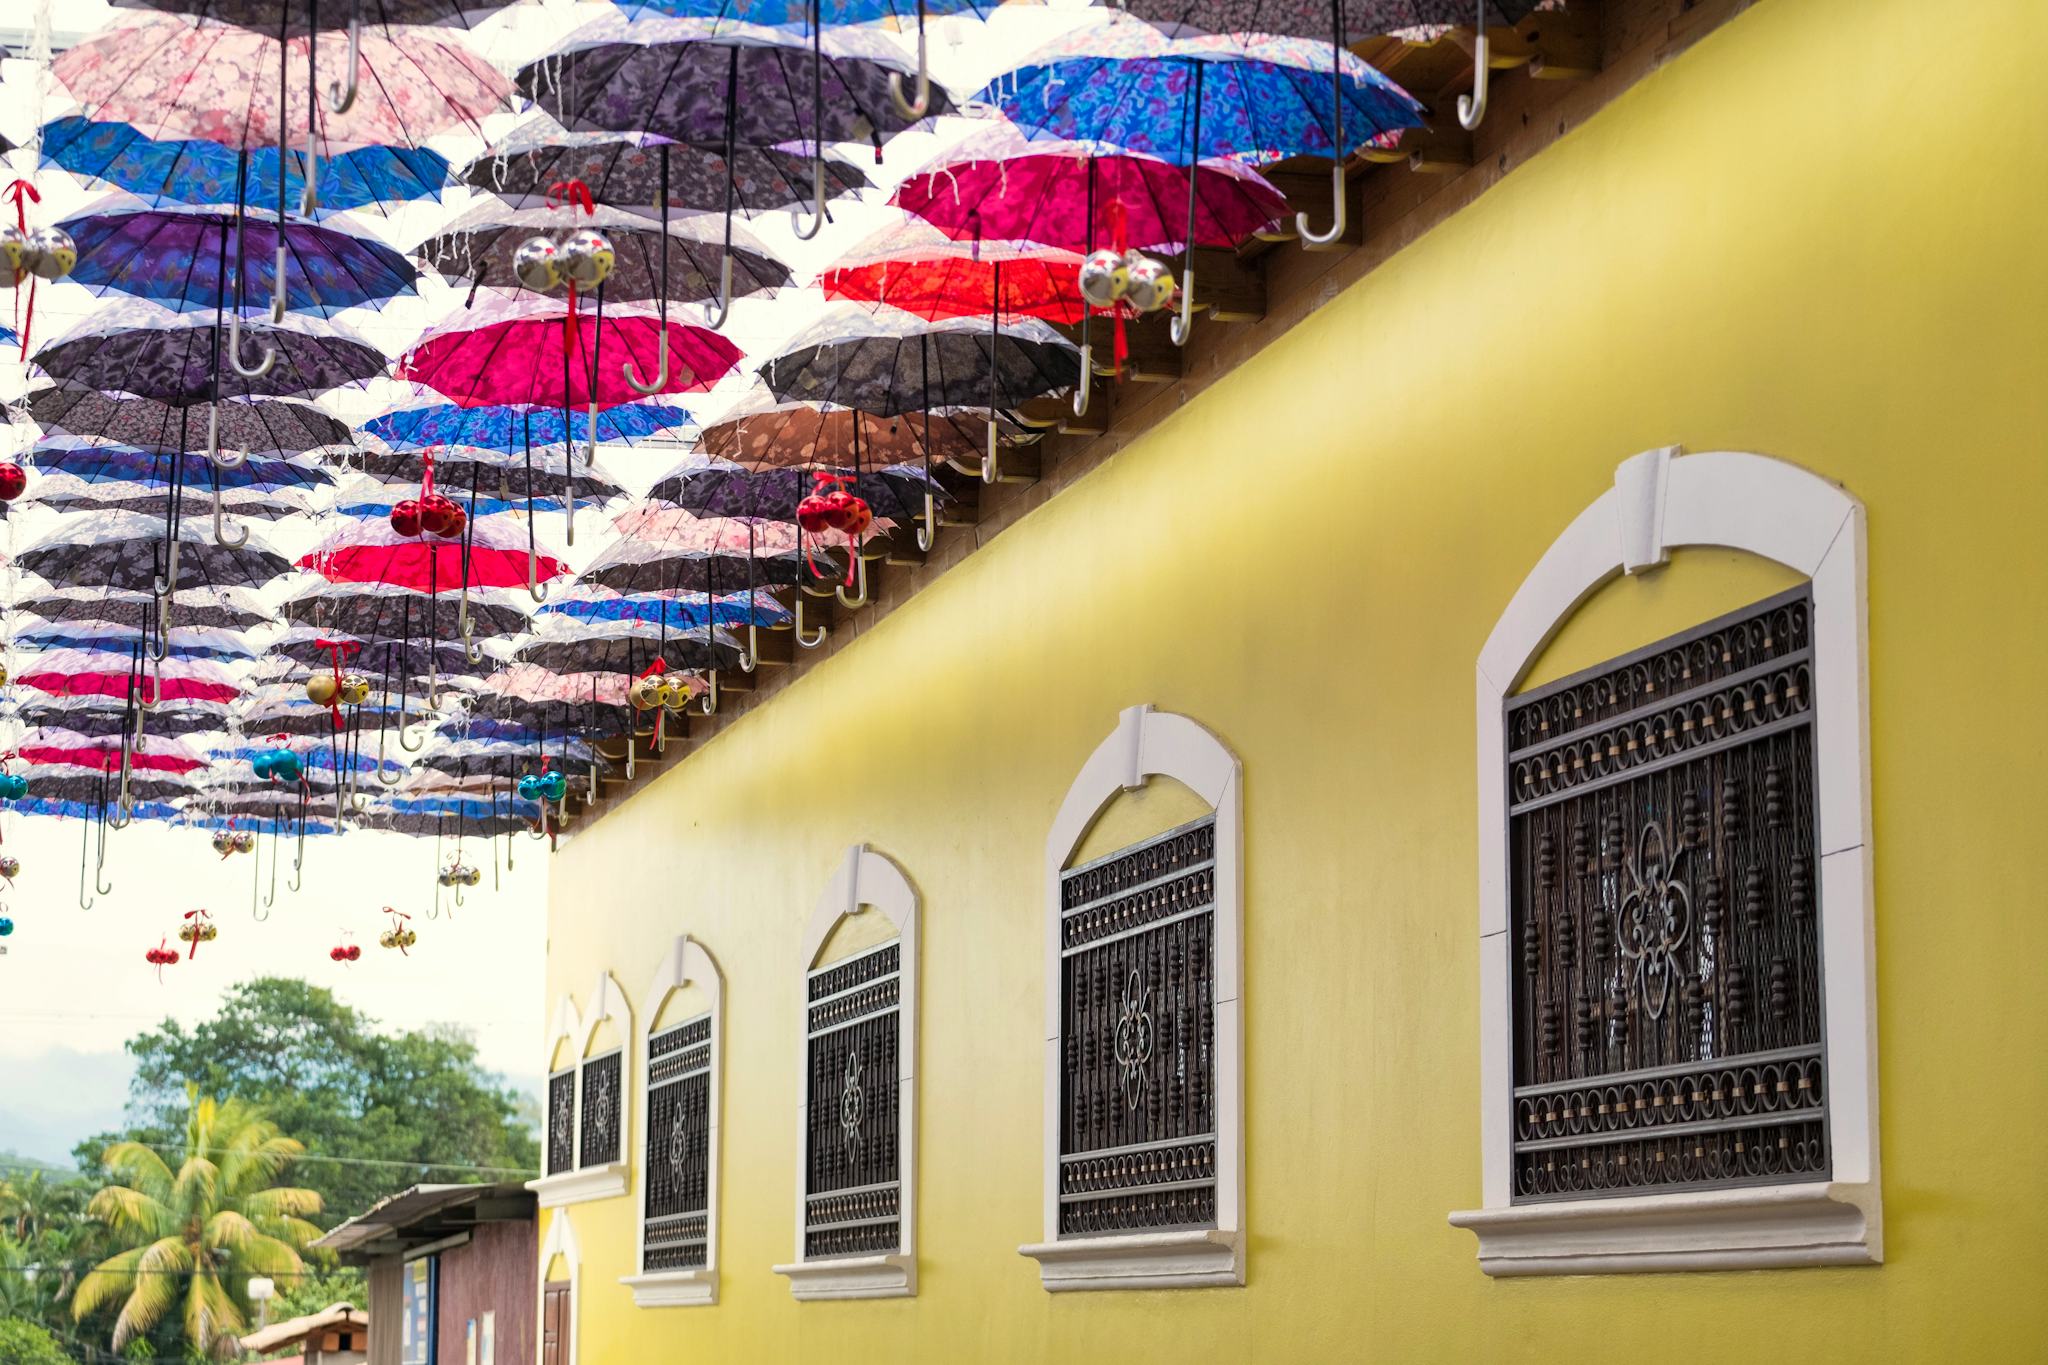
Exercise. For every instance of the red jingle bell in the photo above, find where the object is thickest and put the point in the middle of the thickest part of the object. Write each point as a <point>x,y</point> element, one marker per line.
<point>858,516</point>
<point>405,517</point>
<point>439,516</point>
<point>13,479</point>
<point>354,952</point>
<point>814,513</point>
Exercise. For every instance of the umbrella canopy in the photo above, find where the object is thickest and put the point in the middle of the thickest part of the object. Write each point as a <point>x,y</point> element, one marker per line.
<point>89,786</point>
<point>998,186</point>
<point>139,350</point>
<point>265,15</point>
<point>665,549</point>
<point>197,172</point>
<point>381,612</point>
<point>1363,19</point>
<point>1247,97</point>
<point>551,361</point>
<point>104,717</point>
<point>913,267</point>
<point>157,753</point>
<point>70,495</point>
<point>259,426</point>
<point>511,430</point>
<point>367,552</point>
<point>547,480</point>
<point>894,495</point>
<point>481,243</point>
<point>801,13</point>
<point>774,435</point>
<point>126,553</point>
<point>79,673</point>
<point>149,471</point>
<point>183,78</point>
<point>894,363</point>
<point>677,612</point>
<point>107,636</point>
<point>671,78</point>
<point>181,258</point>
<point>628,653</point>
<point>213,606</point>
<point>620,172</point>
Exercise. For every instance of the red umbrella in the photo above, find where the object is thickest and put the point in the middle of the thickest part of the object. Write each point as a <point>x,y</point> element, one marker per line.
<point>915,267</point>
<point>576,359</point>
<point>372,552</point>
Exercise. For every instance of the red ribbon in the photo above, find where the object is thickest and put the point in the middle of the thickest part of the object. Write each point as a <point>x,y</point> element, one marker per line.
<point>427,483</point>
<point>195,916</point>
<point>658,666</point>
<point>341,649</point>
<point>20,191</point>
<point>572,195</point>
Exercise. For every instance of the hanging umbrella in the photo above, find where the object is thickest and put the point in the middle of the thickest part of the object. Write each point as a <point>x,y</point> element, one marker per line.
<point>180,258</point>
<point>894,363</point>
<point>510,431</point>
<point>895,494</point>
<point>544,481</point>
<point>156,503</point>
<point>551,361</point>
<point>108,636</point>
<point>101,717</point>
<point>380,612</point>
<point>156,753</point>
<point>999,186</point>
<point>665,549</point>
<point>535,695</point>
<point>523,167</point>
<point>201,173</point>
<point>212,606</point>
<point>77,673</point>
<point>259,426</point>
<point>479,246</point>
<point>365,552</point>
<point>126,553</point>
<point>1245,97</point>
<point>85,786</point>
<point>306,647</point>
<point>771,435</point>
<point>137,349</point>
<point>628,654</point>
<point>265,15</point>
<point>674,611</point>
<point>159,469</point>
<point>913,267</point>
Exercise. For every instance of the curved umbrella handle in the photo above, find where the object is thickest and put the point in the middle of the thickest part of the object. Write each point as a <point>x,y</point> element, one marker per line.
<point>309,188</point>
<point>383,728</point>
<point>928,529</point>
<point>261,367</point>
<point>917,108</point>
<point>534,587</point>
<point>167,582</point>
<point>859,567</point>
<point>708,703</point>
<point>155,693</point>
<point>750,657</point>
<point>340,98</point>
<point>220,536</point>
<point>1338,208</point>
<point>1183,324</point>
<point>85,902</point>
<point>215,456</point>
<point>471,650</point>
<point>660,382</point>
<point>808,641</point>
<point>991,467</point>
<point>1472,107</point>
<point>1087,383</point>
<point>796,216</point>
<point>298,861</point>
<point>99,881</point>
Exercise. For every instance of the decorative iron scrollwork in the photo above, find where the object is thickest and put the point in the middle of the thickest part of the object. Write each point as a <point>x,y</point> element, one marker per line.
<point>562,1121</point>
<point>678,1147</point>
<point>602,1111</point>
<point>1681,781</point>
<point>853,1183</point>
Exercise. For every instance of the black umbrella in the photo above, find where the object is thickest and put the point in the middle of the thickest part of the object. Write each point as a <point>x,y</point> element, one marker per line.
<point>183,365</point>
<point>889,365</point>
<point>629,656</point>
<point>361,611</point>
<point>168,717</point>
<point>137,608</point>
<point>126,553</point>
<point>546,476</point>
<point>260,426</point>
<point>481,244</point>
<point>622,173</point>
<point>896,494</point>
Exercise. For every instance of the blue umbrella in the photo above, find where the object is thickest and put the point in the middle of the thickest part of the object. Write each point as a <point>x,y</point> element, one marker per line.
<point>689,611</point>
<point>206,173</point>
<point>154,469</point>
<point>513,430</point>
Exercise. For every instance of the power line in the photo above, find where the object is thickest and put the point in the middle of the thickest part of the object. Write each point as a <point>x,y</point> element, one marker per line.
<point>393,1162</point>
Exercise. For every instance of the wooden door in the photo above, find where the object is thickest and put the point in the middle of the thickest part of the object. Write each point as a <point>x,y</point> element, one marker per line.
<point>554,1323</point>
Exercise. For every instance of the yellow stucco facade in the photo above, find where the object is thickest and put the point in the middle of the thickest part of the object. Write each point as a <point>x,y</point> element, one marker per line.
<point>1816,235</point>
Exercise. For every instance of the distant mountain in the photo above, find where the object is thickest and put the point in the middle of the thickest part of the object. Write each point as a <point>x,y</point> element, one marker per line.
<point>15,1161</point>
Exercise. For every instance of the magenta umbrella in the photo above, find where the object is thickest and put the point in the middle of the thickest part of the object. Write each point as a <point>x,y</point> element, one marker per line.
<point>577,360</point>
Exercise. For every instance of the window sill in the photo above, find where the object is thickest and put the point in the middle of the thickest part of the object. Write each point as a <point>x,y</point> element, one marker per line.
<point>1773,1226</point>
<point>674,1288</point>
<point>1192,1259</point>
<point>893,1276</point>
<point>580,1187</point>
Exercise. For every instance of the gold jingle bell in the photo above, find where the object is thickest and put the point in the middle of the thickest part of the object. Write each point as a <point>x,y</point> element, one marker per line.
<point>586,257</point>
<point>13,248</point>
<point>355,689</point>
<point>675,688</point>
<point>646,693</point>
<point>3,675</point>
<point>244,841</point>
<point>223,842</point>
<point>535,265</point>
<point>322,689</point>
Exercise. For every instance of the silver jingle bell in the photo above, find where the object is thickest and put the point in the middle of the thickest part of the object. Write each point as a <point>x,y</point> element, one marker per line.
<point>1104,277</point>
<point>1152,286</point>
<point>50,254</point>
<point>536,264</point>
<point>13,248</point>
<point>586,258</point>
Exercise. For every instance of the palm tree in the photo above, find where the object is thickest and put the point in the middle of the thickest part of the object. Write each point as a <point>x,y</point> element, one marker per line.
<point>195,1237</point>
<point>33,1204</point>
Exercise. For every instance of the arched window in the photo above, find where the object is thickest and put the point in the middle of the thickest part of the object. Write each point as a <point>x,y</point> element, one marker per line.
<point>560,1265</point>
<point>1144,1053</point>
<point>856,1206</point>
<point>682,1036</point>
<point>1678,1061</point>
<point>586,1099</point>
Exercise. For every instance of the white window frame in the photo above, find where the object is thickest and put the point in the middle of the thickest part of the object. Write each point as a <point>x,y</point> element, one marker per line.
<point>561,1240</point>
<point>685,964</point>
<point>865,878</point>
<point>1766,507</point>
<point>608,1179</point>
<point>1145,744</point>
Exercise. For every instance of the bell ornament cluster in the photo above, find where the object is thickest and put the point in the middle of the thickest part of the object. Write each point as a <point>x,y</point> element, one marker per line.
<point>1108,278</point>
<point>582,259</point>
<point>47,253</point>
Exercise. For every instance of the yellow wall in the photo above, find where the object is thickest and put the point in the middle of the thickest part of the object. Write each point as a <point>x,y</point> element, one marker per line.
<point>1818,235</point>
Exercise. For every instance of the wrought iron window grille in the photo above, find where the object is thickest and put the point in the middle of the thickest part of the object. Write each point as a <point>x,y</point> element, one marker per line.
<point>853,1174</point>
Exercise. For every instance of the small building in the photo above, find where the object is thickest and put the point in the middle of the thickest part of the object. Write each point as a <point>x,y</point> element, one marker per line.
<point>452,1275</point>
<point>338,1334</point>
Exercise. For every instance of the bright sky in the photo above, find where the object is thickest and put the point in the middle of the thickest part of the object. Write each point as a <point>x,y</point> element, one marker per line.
<point>73,983</point>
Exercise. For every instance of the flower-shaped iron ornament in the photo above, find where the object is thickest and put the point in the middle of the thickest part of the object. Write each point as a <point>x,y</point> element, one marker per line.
<point>852,1103</point>
<point>1654,919</point>
<point>1134,1039</point>
<point>678,1144</point>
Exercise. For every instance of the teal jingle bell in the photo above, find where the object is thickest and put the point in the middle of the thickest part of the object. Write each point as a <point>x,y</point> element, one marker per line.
<point>553,786</point>
<point>529,787</point>
<point>6,926</point>
<point>13,786</point>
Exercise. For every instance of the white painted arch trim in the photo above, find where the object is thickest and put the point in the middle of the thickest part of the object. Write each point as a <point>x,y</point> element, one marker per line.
<point>1146,744</point>
<point>686,963</point>
<point>864,878</point>
<point>1662,500</point>
<point>609,1179</point>
<point>561,1240</point>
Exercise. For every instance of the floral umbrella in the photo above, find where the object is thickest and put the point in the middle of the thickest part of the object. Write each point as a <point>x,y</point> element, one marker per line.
<point>367,552</point>
<point>103,717</point>
<point>380,612</point>
<point>999,186</point>
<point>628,654</point>
<point>226,608</point>
<point>180,258</point>
<point>483,487</point>
<point>259,426</point>
<point>509,430</point>
<point>265,15</point>
<point>676,611</point>
<point>199,642</point>
<point>126,553</point>
<point>550,361</point>
<point>619,171</point>
<point>161,504</point>
<point>138,349</point>
<point>913,267</point>
<point>665,549</point>
<point>771,435</point>
<point>156,469</point>
<point>197,172</point>
<point>895,494</point>
<point>151,753</point>
<point>78,673</point>
<point>894,363</point>
<point>479,246</point>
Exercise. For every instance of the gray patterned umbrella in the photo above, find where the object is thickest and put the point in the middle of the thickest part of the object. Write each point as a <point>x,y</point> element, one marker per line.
<point>260,426</point>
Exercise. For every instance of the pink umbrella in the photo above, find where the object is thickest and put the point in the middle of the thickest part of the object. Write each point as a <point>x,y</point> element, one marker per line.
<point>529,682</point>
<point>372,552</point>
<point>566,360</point>
<point>151,753</point>
<point>75,673</point>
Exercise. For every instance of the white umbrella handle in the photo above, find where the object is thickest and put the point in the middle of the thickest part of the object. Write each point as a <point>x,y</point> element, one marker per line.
<point>220,536</point>
<point>1472,107</point>
<point>807,641</point>
<point>928,530</point>
<point>917,108</point>
<point>660,381</point>
<point>708,703</point>
<point>750,657</point>
<point>261,367</point>
<point>1338,209</point>
<point>339,99</point>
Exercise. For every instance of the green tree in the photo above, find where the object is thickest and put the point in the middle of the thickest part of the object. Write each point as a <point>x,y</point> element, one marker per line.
<point>193,1237</point>
<point>25,1343</point>
<point>37,1202</point>
<point>388,1109</point>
